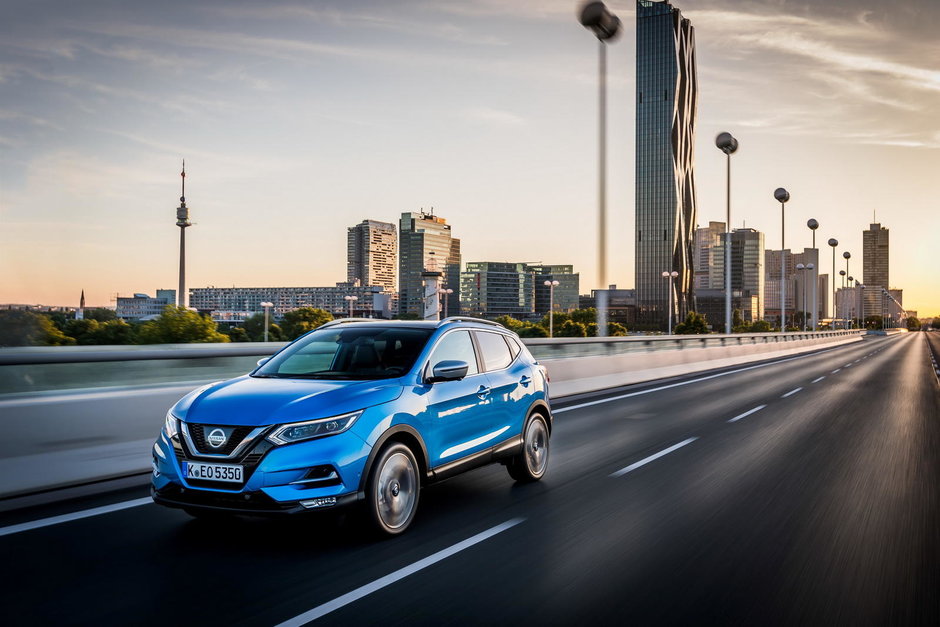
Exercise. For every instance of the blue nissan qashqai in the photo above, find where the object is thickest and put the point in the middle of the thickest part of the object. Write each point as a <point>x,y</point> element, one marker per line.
<point>357,411</point>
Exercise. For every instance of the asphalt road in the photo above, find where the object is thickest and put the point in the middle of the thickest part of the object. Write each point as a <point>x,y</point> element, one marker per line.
<point>803,491</point>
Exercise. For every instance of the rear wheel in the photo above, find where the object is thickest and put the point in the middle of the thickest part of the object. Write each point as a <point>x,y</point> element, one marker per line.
<point>532,462</point>
<point>393,489</point>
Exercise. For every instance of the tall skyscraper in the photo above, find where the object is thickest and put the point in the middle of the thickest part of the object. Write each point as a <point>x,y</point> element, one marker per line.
<point>372,254</point>
<point>747,268</point>
<point>425,242</point>
<point>875,256</point>
<point>666,100</point>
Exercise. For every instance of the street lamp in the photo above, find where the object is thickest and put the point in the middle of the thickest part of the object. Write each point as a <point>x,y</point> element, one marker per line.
<point>727,144</point>
<point>551,306</point>
<point>350,300</point>
<point>833,242</point>
<point>842,309</point>
<point>782,197</point>
<point>802,270</point>
<point>848,284</point>
<point>267,310</point>
<point>605,26</point>
<point>813,225</point>
<point>671,276</point>
<point>846,255</point>
<point>446,292</point>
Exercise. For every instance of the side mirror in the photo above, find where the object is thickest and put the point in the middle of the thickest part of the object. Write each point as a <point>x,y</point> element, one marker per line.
<point>263,361</point>
<point>449,370</point>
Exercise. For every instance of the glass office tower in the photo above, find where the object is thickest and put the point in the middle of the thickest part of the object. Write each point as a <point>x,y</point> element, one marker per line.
<point>425,242</point>
<point>667,95</point>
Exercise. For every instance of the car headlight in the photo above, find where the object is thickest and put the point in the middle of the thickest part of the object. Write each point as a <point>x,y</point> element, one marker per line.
<point>298,431</point>
<point>171,426</point>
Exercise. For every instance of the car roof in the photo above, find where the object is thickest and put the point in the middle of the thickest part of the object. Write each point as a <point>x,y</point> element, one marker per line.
<point>417,324</point>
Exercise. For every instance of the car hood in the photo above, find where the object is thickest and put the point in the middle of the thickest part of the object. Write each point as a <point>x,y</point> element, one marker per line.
<point>250,401</point>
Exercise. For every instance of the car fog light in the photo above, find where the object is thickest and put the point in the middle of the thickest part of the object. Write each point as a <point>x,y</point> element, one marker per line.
<point>324,501</point>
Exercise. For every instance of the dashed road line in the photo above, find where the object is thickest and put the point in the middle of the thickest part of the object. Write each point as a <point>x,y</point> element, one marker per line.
<point>398,575</point>
<point>835,371</point>
<point>791,392</point>
<point>818,379</point>
<point>88,513</point>
<point>651,458</point>
<point>747,413</point>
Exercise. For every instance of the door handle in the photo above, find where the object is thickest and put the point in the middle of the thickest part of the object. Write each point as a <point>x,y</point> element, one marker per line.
<point>483,392</point>
<point>525,380</point>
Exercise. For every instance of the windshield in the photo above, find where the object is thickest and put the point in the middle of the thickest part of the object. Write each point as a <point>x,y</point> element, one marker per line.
<point>354,352</point>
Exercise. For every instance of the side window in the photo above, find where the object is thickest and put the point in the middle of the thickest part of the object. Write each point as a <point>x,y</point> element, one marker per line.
<point>514,347</point>
<point>495,353</point>
<point>456,345</point>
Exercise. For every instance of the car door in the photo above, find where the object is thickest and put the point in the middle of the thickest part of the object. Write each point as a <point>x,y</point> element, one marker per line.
<point>455,409</point>
<point>510,382</point>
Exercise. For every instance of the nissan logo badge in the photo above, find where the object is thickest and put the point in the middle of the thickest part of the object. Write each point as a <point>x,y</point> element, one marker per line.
<point>216,438</point>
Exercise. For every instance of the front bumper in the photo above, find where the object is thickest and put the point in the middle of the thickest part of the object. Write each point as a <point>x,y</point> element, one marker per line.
<point>277,478</point>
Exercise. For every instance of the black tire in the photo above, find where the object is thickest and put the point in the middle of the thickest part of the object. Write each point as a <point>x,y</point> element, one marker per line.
<point>532,461</point>
<point>393,490</point>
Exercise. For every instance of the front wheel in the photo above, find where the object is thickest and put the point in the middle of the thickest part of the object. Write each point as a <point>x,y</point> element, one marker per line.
<point>532,462</point>
<point>393,490</point>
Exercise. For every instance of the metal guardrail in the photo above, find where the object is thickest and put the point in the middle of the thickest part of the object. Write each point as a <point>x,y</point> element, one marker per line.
<point>59,368</point>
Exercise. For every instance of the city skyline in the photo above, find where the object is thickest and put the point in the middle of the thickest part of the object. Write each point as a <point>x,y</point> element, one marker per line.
<point>296,121</point>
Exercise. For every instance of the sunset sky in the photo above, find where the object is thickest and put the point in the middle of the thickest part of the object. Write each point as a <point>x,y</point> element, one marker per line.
<point>298,120</point>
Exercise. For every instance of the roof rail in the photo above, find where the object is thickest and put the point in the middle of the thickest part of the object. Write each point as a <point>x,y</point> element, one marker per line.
<point>468,319</point>
<point>332,323</point>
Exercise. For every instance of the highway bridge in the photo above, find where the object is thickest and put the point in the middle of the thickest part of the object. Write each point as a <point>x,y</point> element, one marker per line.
<point>783,489</point>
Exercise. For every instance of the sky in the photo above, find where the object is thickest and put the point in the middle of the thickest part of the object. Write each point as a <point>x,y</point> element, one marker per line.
<point>300,119</point>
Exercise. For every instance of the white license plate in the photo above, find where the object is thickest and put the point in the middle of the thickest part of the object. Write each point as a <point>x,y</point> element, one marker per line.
<point>213,472</point>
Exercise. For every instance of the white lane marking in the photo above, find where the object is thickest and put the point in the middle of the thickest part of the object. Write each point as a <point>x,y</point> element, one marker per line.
<point>387,580</point>
<point>818,379</point>
<point>675,385</point>
<point>55,520</point>
<point>835,371</point>
<point>791,392</point>
<point>653,457</point>
<point>459,448</point>
<point>847,366</point>
<point>747,413</point>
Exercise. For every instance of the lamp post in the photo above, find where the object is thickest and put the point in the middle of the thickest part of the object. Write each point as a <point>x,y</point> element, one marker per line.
<point>848,284</point>
<point>802,270</point>
<point>267,310</point>
<point>551,306</point>
<point>860,305</point>
<point>842,309</point>
<point>446,292</point>
<point>833,242</point>
<point>847,255</point>
<point>813,225</point>
<point>671,276</point>
<point>727,144</point>
<point>782,197</point>
<point>605,26</point>
<point>350,300</point>
<point>811,269</point>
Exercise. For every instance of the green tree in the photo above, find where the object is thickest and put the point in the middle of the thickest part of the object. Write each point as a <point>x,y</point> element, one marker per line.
<point>584,316</point>
<point>531,330</point>
<point>100,314</point>
<point>178,325</point>
<point>913,324</point>
<point>571,328</point>
<point>935,323</point>
<point>615,329</point>
<point>510,323</point>
<point>559,319</point>
<point>694,324</point>
<point>300,321</point>
<point>115,332</point>
<point>254,327</point>
<point>84,331</point>
<point>759,326</point>
<point>737,322</point>
<point>25,328</point>
<point>237,334</point>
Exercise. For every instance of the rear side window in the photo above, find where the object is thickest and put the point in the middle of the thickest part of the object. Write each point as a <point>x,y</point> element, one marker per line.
<point>457,346</point>
<point>514,347</point>
<point>494,351</point>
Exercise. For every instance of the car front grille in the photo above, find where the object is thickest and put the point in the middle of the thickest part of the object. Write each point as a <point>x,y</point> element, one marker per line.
<point>199,432</point>
<point>249,461</point>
